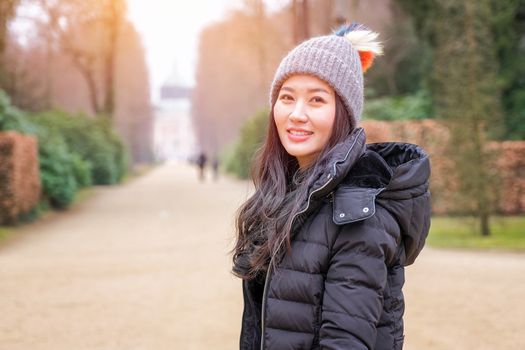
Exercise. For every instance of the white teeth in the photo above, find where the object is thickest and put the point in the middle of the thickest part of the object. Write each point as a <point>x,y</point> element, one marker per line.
<point>299,133</point>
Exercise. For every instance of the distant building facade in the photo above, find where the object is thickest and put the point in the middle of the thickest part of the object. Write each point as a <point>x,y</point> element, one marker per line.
<point>174,133</point>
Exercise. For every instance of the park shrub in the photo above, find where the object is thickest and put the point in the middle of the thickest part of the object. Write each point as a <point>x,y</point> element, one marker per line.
<point>408,107</point>
<point>11,118</point>
<point>120,156</point>
<point>93,140</point>
<point>239,157</point>
<point>82,171</point>
<point>57,170</point>
<point>19,176</point>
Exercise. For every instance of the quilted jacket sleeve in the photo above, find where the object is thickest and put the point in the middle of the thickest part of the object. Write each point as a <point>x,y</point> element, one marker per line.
<point>356,278</point>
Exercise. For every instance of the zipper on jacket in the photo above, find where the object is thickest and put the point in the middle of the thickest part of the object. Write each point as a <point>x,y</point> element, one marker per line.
<point>266,279</point>
<point>262,304</point>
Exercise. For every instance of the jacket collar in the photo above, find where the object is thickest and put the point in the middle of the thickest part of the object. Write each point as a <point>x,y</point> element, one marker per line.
<point>342,157</point>
<point>394,175</point>
<point>331,172</point>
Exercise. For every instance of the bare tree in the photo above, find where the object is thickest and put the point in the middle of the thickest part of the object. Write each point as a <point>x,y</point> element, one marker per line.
<point>98,24</point>
<point>112,19</point>
<point>85,62</point>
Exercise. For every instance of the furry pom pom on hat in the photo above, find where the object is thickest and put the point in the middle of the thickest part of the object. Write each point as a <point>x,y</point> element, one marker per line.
<point>340,59</point>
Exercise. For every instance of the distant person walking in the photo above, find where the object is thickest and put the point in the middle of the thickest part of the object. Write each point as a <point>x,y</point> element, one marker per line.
<point>323,242</point>
<point>215,167</point>
<point>201,164</point>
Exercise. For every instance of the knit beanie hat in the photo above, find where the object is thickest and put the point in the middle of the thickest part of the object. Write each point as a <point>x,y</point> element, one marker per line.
<point>340,59</point>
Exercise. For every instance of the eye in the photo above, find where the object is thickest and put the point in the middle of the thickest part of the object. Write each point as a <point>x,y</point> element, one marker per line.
<point>318,99</point>
<point>286,97</point>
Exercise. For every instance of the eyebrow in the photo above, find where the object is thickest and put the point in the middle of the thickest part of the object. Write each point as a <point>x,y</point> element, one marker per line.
<point>309,90</point>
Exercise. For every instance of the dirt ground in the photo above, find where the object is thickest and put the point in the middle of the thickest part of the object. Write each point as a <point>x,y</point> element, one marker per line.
<point>145,266</point>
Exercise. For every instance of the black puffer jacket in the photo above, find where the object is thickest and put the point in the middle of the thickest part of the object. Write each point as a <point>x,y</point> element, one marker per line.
<point>367,216</point>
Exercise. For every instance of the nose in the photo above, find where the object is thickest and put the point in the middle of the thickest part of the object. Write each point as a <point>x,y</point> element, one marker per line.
<point>299,113</point>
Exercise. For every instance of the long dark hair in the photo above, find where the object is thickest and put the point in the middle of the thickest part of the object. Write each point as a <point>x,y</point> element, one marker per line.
<point>264,221</point>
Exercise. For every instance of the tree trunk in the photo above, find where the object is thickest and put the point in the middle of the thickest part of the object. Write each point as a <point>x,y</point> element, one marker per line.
<point>485,226</point>
<point>92,88</point>
<point>113,25</point>
<point>300,20</point>
<point>48,95</point>
<point>88,73</point>
<point>7,11</point>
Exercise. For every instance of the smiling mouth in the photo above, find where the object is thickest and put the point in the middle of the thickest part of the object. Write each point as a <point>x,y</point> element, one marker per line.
<point>299,133</point>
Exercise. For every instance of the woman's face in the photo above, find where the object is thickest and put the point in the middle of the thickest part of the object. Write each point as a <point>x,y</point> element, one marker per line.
<point>304,114</point>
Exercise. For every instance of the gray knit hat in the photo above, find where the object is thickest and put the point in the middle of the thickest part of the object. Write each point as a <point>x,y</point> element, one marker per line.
<point>339,59</point>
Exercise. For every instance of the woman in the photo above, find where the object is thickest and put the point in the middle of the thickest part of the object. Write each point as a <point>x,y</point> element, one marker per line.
<point>322,243</point>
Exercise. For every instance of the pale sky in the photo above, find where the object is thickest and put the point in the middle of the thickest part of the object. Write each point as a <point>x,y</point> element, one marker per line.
<point>170,30</point>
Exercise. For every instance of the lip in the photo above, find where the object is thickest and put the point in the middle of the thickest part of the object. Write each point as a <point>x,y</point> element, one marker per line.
<point>298,138</point>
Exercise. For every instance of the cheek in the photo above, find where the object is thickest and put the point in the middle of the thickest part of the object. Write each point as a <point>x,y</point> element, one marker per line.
<point>326,123</point>
<point>279,116</point>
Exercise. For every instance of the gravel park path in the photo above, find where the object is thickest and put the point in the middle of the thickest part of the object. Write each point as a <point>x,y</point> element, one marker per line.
<point>144,266</point>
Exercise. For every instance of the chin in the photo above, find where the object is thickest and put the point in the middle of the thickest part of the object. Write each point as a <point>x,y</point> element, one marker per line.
<point>299,149</point>
<point>299,152</point>
<point>296,151</point>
